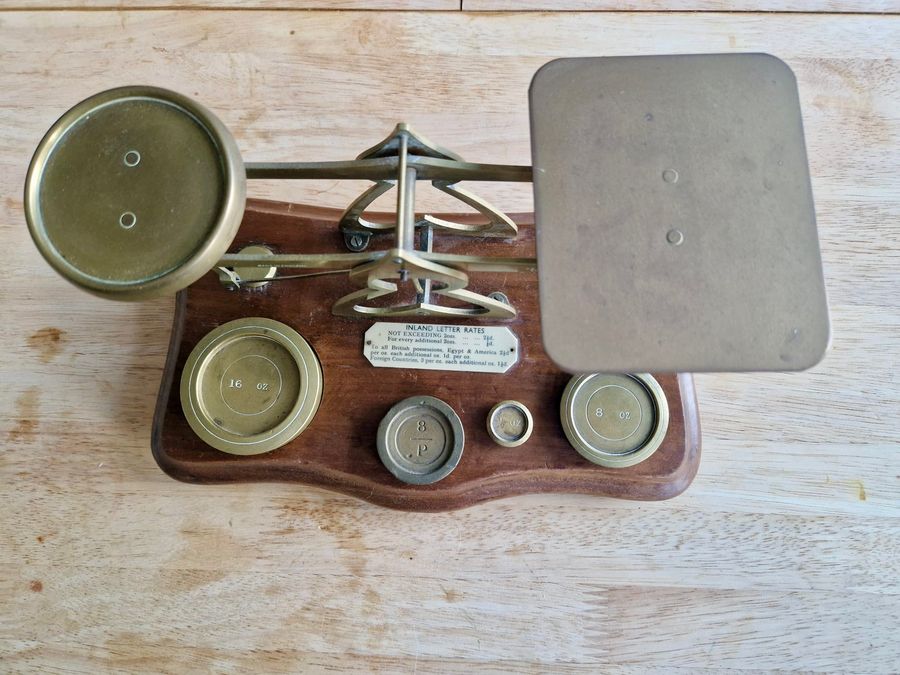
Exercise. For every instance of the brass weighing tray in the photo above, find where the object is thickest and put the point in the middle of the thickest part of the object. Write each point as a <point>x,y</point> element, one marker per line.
<point>676,222</point>
<point>135,192</point>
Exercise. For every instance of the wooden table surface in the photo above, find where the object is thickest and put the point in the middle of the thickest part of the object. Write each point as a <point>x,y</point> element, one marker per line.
<point>783,555</point>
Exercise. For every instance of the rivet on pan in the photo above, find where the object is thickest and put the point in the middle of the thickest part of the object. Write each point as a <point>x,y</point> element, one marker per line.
<point>675,237</point>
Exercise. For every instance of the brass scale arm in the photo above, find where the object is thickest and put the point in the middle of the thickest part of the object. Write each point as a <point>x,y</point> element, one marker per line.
<point>400,161</point>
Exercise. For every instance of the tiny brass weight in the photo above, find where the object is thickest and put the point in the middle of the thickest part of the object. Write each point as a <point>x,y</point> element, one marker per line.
<point>510,424</point>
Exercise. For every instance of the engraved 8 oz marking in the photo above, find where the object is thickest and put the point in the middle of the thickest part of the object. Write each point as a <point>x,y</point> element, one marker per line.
<point>623,415</point>
<point>421,425</point>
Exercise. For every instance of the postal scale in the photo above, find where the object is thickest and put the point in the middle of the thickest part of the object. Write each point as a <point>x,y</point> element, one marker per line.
<point>430,361</point>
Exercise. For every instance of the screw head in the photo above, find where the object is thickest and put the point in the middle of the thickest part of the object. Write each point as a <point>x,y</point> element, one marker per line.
<point>356,241</point>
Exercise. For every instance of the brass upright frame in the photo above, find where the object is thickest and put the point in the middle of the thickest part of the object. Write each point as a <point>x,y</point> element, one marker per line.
<point>400,160</point>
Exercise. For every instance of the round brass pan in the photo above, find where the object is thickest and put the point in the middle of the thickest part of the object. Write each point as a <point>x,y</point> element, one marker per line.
<point>135,192</point>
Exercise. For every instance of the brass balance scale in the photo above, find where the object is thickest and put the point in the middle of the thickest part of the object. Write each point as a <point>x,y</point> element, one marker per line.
<point>389,357</point>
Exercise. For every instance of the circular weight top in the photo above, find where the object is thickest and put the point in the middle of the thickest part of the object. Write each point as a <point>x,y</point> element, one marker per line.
<point>135,192</point>
<point>614,420</point>
<point>420,440</point>
<point>509,423</point>
<point>250,386</point>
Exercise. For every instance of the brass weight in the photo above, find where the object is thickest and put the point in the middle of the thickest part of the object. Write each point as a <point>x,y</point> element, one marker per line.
<point>615,421</point>
<point>420,440</point>
<point>250,386</point>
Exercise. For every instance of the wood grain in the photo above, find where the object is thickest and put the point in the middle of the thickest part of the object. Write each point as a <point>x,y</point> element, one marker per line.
<point>781,556</point>
<point>338,450</point>
<point>856,6</point>
<point>330,5</point>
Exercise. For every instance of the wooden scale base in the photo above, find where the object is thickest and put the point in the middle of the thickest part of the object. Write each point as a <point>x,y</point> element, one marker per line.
<point>338,449</point>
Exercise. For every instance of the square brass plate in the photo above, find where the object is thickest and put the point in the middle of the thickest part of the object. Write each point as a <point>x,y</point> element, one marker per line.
<point>676,229</point>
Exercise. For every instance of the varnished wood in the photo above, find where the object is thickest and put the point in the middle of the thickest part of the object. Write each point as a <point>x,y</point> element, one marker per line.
<point>338,451</point>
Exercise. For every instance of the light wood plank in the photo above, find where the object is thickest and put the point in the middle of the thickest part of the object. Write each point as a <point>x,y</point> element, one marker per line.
<point>781,556</point>
<point>807,6</point>
<point>855,6</point>
<point>330,5</point>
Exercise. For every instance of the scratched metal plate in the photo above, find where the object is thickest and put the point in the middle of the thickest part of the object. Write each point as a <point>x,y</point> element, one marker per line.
<point>676,228</point>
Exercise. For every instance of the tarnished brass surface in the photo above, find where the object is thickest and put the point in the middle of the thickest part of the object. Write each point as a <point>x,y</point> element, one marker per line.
<point>250,386</point>
<point>614,420</point>
<point>379,277</point>
<point>322,261</point>
<point>385,168</point>
<point>420,440</point>
<point>138,191</point>
<point>378,272</point>
<point>413,144</point>
<point>674,215</point>
<point>403,262</point>
<point>510,423</point>
<point>407,148</point>
<point>135,192</point>
<point>254,276</point>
